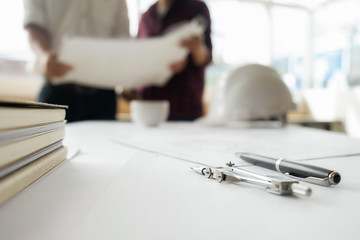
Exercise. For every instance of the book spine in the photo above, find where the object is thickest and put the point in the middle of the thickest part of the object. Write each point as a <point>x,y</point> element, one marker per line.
<point>19,180</point>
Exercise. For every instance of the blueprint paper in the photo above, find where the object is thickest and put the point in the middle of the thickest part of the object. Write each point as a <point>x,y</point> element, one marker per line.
<point>129,63</point>
<point>214,146</point>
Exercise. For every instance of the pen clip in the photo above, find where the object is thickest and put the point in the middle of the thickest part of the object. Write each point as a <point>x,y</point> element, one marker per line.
<point>314,180</point>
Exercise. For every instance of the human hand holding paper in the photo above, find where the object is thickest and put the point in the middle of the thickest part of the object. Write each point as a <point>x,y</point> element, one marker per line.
<point>52,67</point>
<point>194,45</point>
<point>197,48</point>
<point>193,42</point>
<point>178,67</point>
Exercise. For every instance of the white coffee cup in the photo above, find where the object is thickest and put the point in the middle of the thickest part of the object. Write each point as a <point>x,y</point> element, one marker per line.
<point>149,113</point>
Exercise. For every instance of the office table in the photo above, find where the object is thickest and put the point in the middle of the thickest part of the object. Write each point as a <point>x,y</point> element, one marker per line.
<point>129,182</point>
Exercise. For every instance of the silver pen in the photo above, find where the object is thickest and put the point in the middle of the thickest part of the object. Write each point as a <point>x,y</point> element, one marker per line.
<point>300,171</point>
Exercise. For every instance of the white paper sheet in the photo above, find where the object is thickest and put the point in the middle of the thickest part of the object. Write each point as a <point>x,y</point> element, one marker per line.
<point>114,192</point>
<point>215,146</point>
<point>166,200</point>
<point>129,63</point>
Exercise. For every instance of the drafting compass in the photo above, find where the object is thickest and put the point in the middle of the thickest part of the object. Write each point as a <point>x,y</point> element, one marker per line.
<point>273,184</point>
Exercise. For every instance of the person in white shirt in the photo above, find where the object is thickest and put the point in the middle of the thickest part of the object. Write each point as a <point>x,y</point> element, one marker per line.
<point>47,23</point>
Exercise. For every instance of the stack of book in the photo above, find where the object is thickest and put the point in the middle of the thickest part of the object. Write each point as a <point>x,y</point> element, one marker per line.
<point>31,135</point>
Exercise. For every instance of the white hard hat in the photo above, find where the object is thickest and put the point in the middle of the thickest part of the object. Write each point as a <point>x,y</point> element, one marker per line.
<point>249,92</point>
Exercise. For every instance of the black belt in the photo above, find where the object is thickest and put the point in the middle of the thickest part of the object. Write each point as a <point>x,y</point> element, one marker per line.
<point>84,90</point>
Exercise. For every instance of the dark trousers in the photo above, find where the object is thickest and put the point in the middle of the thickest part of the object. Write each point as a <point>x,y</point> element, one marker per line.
<point>84,103</point>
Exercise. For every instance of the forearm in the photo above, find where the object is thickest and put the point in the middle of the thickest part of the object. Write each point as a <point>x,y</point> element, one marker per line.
<point>39,40</point>
<point>200,55</point>
<point>46,59</point>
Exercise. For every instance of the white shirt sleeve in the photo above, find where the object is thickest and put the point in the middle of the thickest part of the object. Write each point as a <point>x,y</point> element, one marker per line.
<point>34,13</point>
<point>122,24</point>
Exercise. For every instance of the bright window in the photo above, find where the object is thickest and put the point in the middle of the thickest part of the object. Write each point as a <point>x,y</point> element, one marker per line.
<point>13,40</point>
<point>337,45</point>
<point>240,32</point>
<point>290,44</point>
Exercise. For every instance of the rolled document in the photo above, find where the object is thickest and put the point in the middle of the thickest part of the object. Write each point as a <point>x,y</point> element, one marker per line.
<point>129,63</point>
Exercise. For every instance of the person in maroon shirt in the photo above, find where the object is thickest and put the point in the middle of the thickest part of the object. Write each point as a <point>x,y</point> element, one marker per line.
<point>185,89</point>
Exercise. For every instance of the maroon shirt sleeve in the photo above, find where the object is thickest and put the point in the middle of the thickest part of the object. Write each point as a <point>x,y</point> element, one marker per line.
<point>142,28</point>
<point>204,12</point>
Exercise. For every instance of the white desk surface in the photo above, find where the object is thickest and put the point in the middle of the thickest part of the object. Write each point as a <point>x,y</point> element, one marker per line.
<point>117,191</point>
